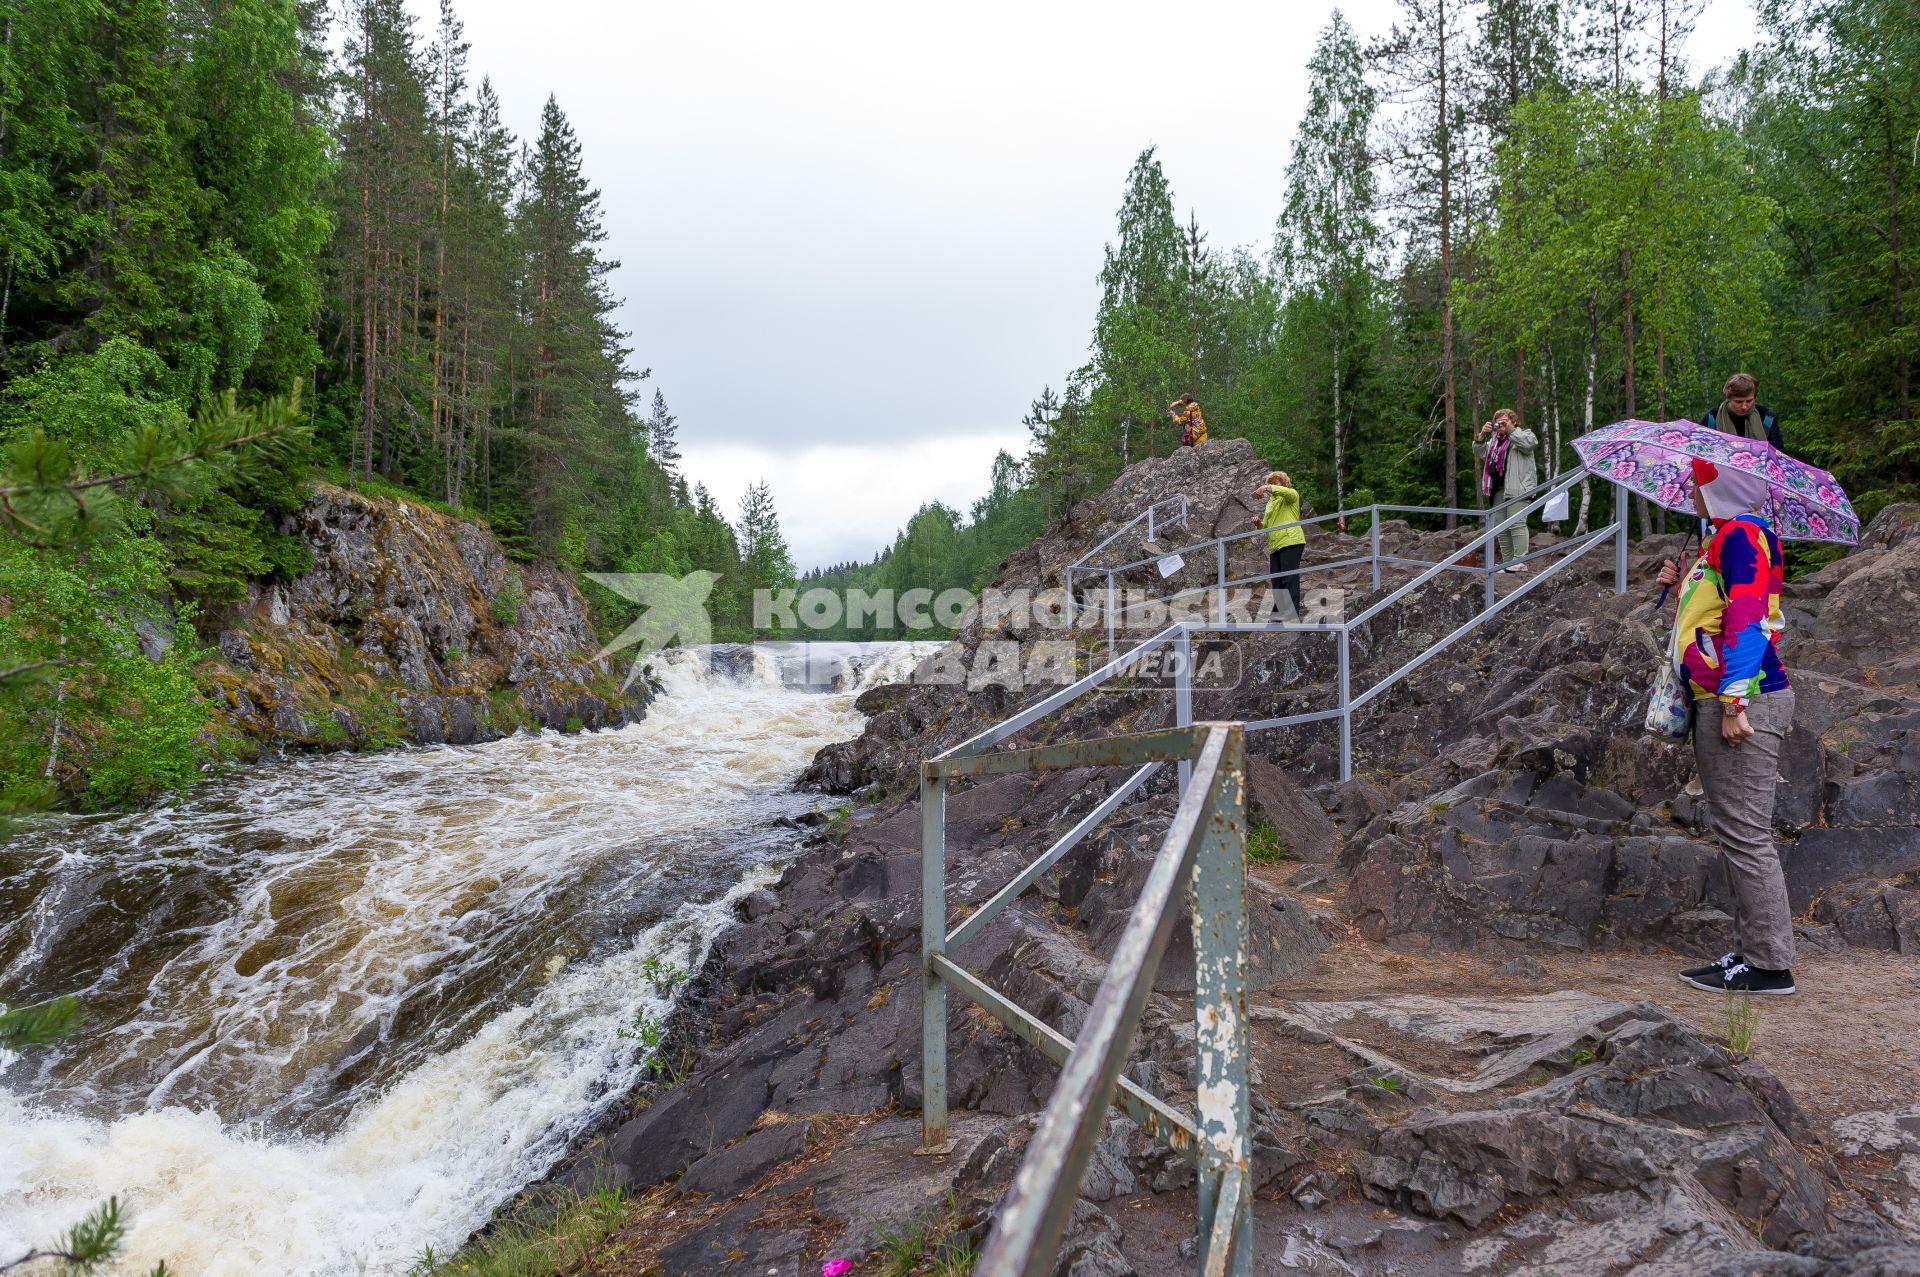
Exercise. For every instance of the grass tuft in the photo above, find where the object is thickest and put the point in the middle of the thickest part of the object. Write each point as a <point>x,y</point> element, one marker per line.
<point>937,1246</point>
<point>548,1239</point>
<point>1743,1023</point>
<point>1263,842</point>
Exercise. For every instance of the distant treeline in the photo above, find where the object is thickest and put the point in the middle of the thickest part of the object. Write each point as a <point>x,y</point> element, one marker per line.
<point>1515,203</point>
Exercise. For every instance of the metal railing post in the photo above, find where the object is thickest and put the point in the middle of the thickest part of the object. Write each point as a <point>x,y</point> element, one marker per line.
<point>1373,533</point>
<point>1619,539</point>
<point>1220,1017</point>
<point>1183,696</point>
<point>1112,643</point>
<point>1220,595</point>
<point>1346,703</point>
<point>1150,510</point>
<point>933,943</point>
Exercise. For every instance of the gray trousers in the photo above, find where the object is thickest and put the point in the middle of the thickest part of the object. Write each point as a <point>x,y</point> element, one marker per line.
<point>1515,540</point>
<point>1739,782</point>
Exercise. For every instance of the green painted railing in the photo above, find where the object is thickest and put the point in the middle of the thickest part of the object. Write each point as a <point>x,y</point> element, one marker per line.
<point>1202,861</point>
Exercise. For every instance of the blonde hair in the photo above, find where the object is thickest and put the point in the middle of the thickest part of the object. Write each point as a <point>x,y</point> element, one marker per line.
<point>1277,476</point>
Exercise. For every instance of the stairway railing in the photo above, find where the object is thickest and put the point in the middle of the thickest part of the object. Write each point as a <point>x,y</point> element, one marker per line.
<point>1204,847</point>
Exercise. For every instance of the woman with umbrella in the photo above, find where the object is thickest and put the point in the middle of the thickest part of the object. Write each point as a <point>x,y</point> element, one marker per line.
<point>1726,641</point>
<point>1726,645</point>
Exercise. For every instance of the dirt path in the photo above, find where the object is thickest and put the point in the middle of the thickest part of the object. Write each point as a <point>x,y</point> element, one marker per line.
<point>1848,1042</point>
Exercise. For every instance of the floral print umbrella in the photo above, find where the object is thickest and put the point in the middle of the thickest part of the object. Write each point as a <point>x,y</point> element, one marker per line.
<point>1804,503</point>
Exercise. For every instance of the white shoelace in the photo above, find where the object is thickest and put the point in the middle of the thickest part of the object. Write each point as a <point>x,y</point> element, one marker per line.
<point>1736,969</point>
<point>1726,960</point>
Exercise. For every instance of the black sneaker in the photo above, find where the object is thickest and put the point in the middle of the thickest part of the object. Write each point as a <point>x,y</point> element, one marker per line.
<point>1715,971</point>
<point>1741,978</point>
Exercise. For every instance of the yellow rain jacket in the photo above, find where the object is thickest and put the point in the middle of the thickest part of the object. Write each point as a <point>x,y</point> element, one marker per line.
<point>1283,506</point>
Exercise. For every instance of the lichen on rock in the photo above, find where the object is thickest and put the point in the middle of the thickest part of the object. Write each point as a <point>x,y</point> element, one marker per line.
<point>412,626</point>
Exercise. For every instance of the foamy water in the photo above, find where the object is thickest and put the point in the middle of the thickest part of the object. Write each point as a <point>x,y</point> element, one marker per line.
<point>342,1007</point>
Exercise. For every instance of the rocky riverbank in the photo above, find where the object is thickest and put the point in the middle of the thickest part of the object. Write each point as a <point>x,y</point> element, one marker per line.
<point>1440,1087</point>
<point>412,626</point>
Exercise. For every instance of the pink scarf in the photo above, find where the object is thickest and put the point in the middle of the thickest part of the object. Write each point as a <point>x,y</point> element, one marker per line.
<point>1496,459</point>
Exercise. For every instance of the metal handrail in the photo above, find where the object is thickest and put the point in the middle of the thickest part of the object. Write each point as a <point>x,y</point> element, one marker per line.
<point>1201,857</point>
<point>1534,498</point>
<point>1080,564</point>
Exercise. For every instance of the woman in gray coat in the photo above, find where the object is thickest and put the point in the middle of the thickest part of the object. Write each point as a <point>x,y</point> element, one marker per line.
<point>1505,451</point>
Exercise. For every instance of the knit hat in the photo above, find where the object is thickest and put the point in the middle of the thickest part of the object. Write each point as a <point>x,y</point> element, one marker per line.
<point>1728,491</point>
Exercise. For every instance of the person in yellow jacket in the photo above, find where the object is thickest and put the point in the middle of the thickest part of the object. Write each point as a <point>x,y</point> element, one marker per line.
<point>1288,541</point>
<point>1186,415</point>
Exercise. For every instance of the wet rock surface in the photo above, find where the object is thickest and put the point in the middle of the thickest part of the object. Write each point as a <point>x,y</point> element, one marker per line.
<point>1505,803</point>
<point>411,627</point>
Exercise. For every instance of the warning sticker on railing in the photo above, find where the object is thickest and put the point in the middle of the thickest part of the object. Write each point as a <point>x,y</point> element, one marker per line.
<point>1169,565</point>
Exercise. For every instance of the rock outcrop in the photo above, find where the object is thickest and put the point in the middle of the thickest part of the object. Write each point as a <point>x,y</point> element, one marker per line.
<point>1505,803</point>
<point>411,626</point>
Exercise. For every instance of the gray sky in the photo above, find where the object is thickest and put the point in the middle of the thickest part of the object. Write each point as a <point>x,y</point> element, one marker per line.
<point>858,238</point>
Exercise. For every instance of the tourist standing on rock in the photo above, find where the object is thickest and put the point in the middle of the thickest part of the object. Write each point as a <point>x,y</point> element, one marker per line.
<point>1505,451</point>
<point>1725,641</point>
<point>1285,544</point>
<point>1186,415</point>
<point>1738,414</point>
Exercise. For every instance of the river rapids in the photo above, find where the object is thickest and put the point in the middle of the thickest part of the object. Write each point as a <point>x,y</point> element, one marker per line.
<point>339,1008</point>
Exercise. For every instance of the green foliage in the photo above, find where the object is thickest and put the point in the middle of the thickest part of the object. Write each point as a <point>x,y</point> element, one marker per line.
<point>87,714</point>
<point>1263,842</point>
<point>662,976</point>
<point>935,1245</point>
<point>549,1235</point>
<point>22,1028</point>
<point>506,604</point>
<point>1829,108</point>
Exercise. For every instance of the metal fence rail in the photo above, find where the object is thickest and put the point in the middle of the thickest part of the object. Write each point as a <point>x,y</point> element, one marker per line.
<point>1202,859</point>
<point>1116,611</point>
<point>1176,507</point>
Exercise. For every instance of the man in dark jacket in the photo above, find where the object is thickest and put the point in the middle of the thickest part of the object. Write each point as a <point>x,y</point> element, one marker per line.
<point>1738,414</point>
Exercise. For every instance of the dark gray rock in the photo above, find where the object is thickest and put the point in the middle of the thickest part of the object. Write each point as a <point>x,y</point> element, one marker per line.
<point>1301,822</point>
<point>735,1168</point>
<point>682,1127</point>
<point>1090,1246</point>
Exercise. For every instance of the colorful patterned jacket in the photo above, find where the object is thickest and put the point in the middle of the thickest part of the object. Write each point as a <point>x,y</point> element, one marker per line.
<point>1727,630</point>
<point>1193,426</point>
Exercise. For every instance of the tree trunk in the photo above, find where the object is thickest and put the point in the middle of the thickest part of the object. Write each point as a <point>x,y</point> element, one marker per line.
<point>1520,382</point>
<point>1446,273</point>
<point>1904,360</point>
<point>1627,340</point>
<point>1339,456</point>
<point>1593,366</point>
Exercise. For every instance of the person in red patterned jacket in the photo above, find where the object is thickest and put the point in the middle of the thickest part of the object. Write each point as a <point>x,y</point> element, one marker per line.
<point>1726,642</point>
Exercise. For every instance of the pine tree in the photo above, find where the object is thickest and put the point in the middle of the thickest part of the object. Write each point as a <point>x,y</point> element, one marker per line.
<point>766,561</point>
<point>1420,65</point>
<point>1140,342</point>
<point>576,418</point>
<point>1328,242</point>
<point>662,444</point>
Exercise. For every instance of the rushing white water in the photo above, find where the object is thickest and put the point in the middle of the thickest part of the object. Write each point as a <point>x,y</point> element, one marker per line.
<point>340,1008</point>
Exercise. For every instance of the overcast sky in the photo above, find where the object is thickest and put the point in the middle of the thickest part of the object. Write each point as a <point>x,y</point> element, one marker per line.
<point>858,238</point>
